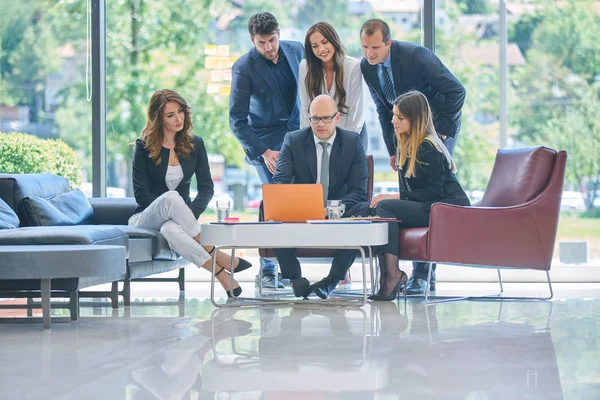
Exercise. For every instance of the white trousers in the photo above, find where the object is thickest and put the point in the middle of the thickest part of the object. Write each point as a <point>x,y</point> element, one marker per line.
<point>176,223</point>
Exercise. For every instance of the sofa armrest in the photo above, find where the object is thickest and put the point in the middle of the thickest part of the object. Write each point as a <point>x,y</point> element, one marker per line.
<point>499,236</point>
<point>112,211</point>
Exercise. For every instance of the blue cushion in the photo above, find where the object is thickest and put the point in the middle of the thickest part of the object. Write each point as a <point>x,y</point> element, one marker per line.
<point>71,208</point>
<point>8,218</point>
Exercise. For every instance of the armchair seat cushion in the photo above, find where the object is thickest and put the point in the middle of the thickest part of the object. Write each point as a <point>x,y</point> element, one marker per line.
<point>413,244</point>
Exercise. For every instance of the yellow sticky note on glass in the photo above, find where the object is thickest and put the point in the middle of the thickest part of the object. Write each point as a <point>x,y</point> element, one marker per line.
<point>213,88</point>
<point>223,63</point>
<point>210,49</point>
<point>223,50</point>
<point>225,90</point>
<point>211,62</point>
<point>216,75</point>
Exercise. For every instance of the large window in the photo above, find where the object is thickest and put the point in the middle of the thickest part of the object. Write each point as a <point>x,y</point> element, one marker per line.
<point>552,65</point>
<point>467,42</point>
<point>555,99</point>
<point>152,45</point>
<point>43,89</point>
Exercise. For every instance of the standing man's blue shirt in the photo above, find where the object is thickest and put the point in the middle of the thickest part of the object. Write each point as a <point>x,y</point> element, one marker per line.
<point>282,72</point>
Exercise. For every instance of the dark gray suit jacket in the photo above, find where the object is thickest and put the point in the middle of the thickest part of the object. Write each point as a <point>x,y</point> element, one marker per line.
<point>415,67</point>
<point>348,173</point>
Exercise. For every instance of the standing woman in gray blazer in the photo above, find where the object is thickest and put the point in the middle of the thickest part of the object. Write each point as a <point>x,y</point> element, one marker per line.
<point>326,69</point>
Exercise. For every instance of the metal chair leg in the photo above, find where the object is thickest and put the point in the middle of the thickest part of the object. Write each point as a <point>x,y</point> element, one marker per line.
<point>500,281</point>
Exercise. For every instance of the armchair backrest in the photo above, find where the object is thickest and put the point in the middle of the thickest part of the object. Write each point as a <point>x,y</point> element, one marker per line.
<point>519,175</point>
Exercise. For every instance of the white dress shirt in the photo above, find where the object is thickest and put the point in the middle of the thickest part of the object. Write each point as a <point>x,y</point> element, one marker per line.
<point>354,120</point>
<point>320,152</point>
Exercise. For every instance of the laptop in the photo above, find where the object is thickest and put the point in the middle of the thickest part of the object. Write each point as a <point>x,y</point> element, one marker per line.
<point>293,202</point>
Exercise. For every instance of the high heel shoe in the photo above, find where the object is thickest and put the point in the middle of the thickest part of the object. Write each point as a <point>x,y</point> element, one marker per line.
<point>242,265</point>
<point>235,292</point>
<point>399,288</point>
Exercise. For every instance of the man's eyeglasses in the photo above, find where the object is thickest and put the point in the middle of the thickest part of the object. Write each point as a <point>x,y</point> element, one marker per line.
<point>326,120</point>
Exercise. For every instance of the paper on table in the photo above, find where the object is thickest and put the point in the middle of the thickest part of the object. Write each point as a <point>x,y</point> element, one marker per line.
<point>337,221</point>
<point>372,218</point>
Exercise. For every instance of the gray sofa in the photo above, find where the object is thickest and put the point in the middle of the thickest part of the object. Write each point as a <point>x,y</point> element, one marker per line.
<point>105,222</point>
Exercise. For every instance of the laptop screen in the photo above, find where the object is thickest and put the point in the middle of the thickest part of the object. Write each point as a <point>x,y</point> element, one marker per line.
<point>293,202</point>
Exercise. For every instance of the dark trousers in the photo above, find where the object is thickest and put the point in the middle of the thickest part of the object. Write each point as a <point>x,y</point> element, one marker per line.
<point>413,215</point>
<point>269,268</point>
<point>290,266</point>
<point>342,261</point>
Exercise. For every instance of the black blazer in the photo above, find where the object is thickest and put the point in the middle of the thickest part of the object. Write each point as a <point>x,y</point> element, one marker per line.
<point>149,178</point>
<point>415,67</point>
<point>348,173</point>
<point>433,182</point>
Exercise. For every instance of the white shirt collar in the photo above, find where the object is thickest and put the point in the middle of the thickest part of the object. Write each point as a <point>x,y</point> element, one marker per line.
<point>330,141</point>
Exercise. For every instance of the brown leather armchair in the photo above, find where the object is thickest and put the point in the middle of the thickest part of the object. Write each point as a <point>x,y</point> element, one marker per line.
<point>513,227</point>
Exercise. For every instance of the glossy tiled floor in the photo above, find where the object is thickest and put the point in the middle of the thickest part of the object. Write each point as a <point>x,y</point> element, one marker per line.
<point>464,350</point>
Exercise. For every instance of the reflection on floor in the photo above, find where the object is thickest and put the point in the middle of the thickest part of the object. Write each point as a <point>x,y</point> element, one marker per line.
<point>462,350</point>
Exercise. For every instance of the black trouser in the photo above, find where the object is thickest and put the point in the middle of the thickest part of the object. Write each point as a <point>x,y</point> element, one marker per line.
<point>290,266</point>
<point>413,215</point>
<point>342,261</point>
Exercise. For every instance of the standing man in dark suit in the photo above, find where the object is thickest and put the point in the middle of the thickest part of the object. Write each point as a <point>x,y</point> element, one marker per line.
<point>334,157</point>
<point>263,105</point>
<point>390,68</point>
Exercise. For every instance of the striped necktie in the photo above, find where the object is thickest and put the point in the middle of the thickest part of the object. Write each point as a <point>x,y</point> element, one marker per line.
<point>388,86</point>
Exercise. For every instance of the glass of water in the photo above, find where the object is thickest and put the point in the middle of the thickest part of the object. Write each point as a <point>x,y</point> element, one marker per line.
<point>223,208</point>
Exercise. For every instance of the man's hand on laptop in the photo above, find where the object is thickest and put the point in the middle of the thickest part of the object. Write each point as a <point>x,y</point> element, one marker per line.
<point>270,157</point>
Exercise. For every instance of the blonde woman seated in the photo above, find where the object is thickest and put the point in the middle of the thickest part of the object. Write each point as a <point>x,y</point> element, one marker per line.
<point>426,172</point>
<point>167,155</point>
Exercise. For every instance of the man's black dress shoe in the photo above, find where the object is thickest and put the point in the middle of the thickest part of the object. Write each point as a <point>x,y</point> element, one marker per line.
<point>418,285</point>
<point>301,287</point>
<point>324,287</point>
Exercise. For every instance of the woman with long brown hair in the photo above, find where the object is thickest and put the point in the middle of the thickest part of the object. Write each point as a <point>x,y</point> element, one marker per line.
<point>426,174</point>
<point>326,69</point>
<point>167,155</point>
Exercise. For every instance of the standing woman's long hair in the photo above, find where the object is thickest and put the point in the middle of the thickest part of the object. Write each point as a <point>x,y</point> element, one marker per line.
<point>414,106</point>
<point>315,76</point>
<point>153,134</point>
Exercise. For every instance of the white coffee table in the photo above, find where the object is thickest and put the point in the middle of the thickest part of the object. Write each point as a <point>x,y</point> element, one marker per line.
<point>291,235</point>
